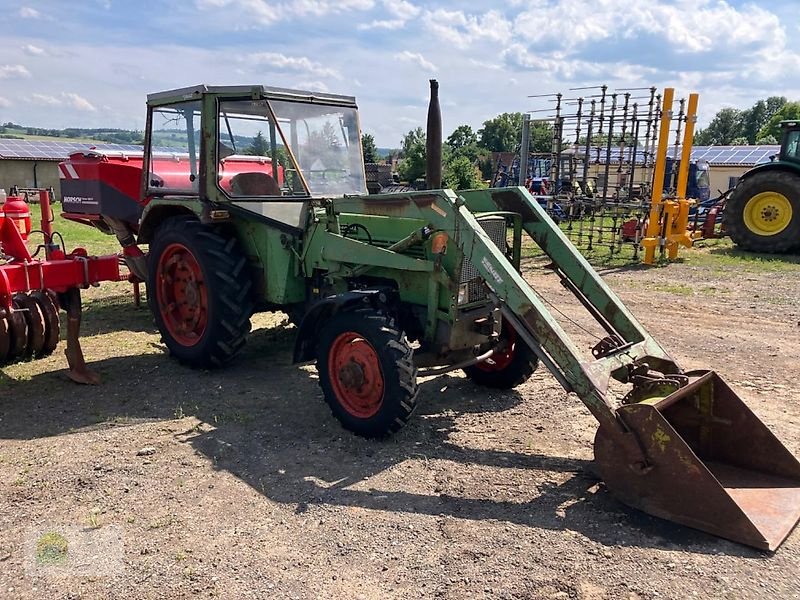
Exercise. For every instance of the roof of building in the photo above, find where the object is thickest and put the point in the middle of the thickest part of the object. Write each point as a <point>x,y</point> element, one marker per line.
<point>55,150</point>
<point>740,156</point>
<point>735,155</point>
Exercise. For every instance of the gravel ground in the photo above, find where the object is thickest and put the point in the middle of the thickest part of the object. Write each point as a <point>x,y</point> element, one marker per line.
<point>171,483</point>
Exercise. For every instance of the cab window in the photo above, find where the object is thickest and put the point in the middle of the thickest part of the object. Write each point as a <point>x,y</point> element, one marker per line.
<point>174,148</point>
<point>792,145</point>
<point>252,160</point>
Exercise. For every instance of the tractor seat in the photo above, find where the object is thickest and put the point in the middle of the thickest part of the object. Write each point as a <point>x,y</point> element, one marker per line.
<point>254,184</point>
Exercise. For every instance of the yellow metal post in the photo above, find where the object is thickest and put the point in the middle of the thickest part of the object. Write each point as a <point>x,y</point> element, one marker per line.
<point>686,151</point>
<point>677,232</point>
<point>653,234</point>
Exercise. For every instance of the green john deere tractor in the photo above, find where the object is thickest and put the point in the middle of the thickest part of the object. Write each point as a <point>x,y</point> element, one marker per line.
<point>254,198</point>
<point>762,213</point>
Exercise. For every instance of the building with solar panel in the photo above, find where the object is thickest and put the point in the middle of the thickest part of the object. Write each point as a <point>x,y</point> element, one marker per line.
<point>34,163</point>
<point>729,163</point>
<point>726,163</point>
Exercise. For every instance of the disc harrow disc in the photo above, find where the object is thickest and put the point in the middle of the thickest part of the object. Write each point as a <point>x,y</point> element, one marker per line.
<point>17,332</point>
<point>36,327</point>
<point>51,322</point>
<point>5,341</point>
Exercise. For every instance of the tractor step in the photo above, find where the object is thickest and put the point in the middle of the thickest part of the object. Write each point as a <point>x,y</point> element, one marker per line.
<point>709,463</point>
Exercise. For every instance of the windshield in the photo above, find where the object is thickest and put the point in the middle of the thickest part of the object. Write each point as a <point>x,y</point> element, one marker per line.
<point>326,142</point>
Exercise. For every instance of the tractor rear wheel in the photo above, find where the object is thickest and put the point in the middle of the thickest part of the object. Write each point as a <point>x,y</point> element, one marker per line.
<point>506,369</point>
<point>367,374</point>
<point>763,212</point>
<point>199,290</point>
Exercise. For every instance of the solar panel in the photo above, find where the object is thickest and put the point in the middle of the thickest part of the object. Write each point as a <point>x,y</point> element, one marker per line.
<point>53,150</point>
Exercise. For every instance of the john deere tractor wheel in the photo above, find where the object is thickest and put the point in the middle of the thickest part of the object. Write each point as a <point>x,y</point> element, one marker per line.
<point>367,373</point>
<point>506,369</point>
<point>763,212</point>
<point>199,290</point>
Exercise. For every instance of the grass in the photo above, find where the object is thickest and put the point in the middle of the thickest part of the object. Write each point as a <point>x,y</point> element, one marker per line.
<point>52,549</point>
<point>723,254</point>
<point>75,234</point>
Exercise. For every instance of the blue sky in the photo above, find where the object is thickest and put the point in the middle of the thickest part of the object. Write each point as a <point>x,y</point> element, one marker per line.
<point>92,63</point>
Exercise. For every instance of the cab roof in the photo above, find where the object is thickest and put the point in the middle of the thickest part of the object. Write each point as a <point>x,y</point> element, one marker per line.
<point>274,93</point>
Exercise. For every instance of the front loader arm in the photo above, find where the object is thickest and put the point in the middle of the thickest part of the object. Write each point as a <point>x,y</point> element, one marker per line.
<point>684,436</point>
<point>520,303</point>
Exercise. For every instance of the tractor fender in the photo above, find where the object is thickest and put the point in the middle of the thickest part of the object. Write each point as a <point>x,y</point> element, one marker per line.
<point>320,312</point>
<point>158,211</point>
<point>772,166</point>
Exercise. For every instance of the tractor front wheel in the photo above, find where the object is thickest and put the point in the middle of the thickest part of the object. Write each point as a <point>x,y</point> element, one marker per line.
<point>199,290</point>
<point>367,374</point>
<point>507,368</point>
<point>763,212</point>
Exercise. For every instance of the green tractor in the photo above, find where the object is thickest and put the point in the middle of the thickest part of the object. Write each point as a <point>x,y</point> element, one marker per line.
<point>254,198</point>
<point>762,213</point>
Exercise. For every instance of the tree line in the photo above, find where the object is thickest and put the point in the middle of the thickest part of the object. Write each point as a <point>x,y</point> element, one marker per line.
<point>466,154</point>
<point>759,124</point>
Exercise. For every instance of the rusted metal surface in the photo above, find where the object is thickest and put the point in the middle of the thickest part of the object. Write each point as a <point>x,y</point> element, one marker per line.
<point>36,324</point>
<point>710,464</point>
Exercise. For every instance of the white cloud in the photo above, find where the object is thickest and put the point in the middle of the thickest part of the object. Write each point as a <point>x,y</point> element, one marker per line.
<point>78,102</point>
<point>26,12</point>
<point>45,100</point>
<point>462,29</point>
<point>296,64</point>
<point>14,72</point>
<point>416,58</point>
<point>68,99</point>
<point>401,9</point>
<point>311,86</point>
<point>33,50</point>
<point>5,102</point>
<point>388,24</point>
<point>246,14</point>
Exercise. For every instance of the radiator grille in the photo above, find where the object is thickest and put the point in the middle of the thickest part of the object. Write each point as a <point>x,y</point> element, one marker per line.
<point>495,228</point>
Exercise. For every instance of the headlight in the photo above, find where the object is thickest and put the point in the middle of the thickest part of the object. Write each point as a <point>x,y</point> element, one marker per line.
<point>463,293</point>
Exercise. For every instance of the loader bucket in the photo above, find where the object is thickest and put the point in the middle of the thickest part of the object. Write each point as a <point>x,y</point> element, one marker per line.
<point>710,463</point>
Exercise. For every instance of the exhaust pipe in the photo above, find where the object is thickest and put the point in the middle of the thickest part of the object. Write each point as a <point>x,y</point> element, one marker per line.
<point>433,141</point>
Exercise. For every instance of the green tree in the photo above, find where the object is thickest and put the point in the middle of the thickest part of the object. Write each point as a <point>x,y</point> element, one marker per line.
<point>541,137</point>
<point>259,146</point>
<point>502,133</point>
<point>462,136</point>
<point>769,140</point>
<point>757,116</point>
<point>723,129</point>
<point>412,166</point>
<point>788,112</point>
<point>369,148</point>
<point>461,174</point>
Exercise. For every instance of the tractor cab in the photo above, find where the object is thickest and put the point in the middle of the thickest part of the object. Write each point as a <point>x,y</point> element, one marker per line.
<point>246,143</point>
<point>790,142</point>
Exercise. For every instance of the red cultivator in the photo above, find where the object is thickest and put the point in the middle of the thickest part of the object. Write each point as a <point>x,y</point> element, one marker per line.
<point>32,289</point>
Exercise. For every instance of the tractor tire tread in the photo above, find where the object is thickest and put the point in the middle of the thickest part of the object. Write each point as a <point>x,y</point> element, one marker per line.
<point>222,263</point>
<point>396,356</point>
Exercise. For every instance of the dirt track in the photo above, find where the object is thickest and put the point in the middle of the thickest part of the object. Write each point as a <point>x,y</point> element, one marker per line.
<point>248,488</point>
